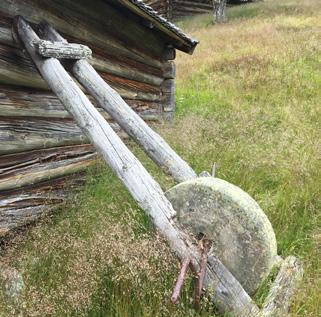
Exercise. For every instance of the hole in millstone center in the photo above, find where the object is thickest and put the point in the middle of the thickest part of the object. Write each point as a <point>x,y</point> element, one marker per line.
<point>200,236</point>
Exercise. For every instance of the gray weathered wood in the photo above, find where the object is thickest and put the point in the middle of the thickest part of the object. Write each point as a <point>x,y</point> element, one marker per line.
<point>169,70</point>
<point>47,171</point>
<point>153,144</point>
<point>279,298</point>
<point>219,11</point>
<point>168,90</point>
<point>63,50</point>
<point>229,295</point>
<point>85,21</point>
<point>18,208</point>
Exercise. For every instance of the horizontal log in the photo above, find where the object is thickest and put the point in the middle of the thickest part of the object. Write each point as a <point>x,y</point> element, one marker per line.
<point>17,69</point>
<point>31,161</point>
<point>18,135</point>
<point>23,206</point>
<point>129,84</point>
<point>182,4</point>
<point>105,62</point>
<point>20,102</point>
<point>63,51</point>
<point>26,103</point>
<point>126,71</point>
<point>43,172</point>
<point>6,37</point>
<point>86,21</point>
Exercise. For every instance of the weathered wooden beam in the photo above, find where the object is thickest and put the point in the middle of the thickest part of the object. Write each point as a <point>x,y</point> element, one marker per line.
<point>23,206</point>
<point>18,103</point>
<point>63,50</point>
<point>17,69</point>
<point>28,134</point>
<point>229,294</point>
<point>47,171</point>
<point>85,21</point>
<point>19,164</point>
<point>168,91</point>
<point>27,104</point>
<point>279,298</point>
<point>110,64</point>
<point>133,125</point>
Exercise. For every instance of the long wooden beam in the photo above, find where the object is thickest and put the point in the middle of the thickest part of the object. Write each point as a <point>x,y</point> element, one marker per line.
<point>152,143</point>
<point>229,295</point>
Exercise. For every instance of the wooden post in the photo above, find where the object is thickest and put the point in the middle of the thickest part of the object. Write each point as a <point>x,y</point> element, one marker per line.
<point>228,294</point>
<point>152,143</point>
<point>219,11</point>
<point>278,300</point>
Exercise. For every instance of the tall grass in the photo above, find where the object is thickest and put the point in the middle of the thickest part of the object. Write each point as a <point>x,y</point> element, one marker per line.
<point>248,99</point>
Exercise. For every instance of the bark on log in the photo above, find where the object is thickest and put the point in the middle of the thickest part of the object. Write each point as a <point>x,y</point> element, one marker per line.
<point>278,300</point>
<point>154,145</point>
<point>63,50</point>
<point>229,294</point>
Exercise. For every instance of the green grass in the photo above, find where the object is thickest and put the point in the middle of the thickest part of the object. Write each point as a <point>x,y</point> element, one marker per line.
<point>248,99</point>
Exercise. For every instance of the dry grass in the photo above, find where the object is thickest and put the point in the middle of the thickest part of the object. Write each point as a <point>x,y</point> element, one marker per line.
<point>249,99</point>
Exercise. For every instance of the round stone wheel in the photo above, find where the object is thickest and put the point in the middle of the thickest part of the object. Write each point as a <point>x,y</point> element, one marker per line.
<point>243,237</point>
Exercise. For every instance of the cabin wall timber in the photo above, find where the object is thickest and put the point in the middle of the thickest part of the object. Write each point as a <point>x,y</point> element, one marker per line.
<point>43,153</point>
<point>163,7</point>
<point>176,9</point>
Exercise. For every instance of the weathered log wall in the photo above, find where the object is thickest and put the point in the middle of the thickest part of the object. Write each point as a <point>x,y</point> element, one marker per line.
<point>176,9</point>
<point>183,8</point>
<point>40,144</point>
<point>161,6</point>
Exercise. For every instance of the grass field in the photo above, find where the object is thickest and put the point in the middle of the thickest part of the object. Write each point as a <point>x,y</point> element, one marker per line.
<point>249,99</point>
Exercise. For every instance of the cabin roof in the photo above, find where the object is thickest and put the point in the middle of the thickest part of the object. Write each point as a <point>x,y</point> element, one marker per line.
<point>177,37</point>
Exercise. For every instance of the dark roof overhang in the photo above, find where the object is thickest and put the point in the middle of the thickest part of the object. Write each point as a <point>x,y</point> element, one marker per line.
<point>177,38</point>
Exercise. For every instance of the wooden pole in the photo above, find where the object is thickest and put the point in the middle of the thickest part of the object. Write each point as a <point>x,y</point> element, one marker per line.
<point>152,143</point>
<point>228,295</point>
<point>278,300</point>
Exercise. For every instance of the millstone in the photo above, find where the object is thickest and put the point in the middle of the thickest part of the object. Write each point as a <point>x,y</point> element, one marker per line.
<point>242,235</point>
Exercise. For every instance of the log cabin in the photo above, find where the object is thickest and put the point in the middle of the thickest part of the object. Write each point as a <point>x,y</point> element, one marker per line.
<point>43,153</point>
<point>177,9</point>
